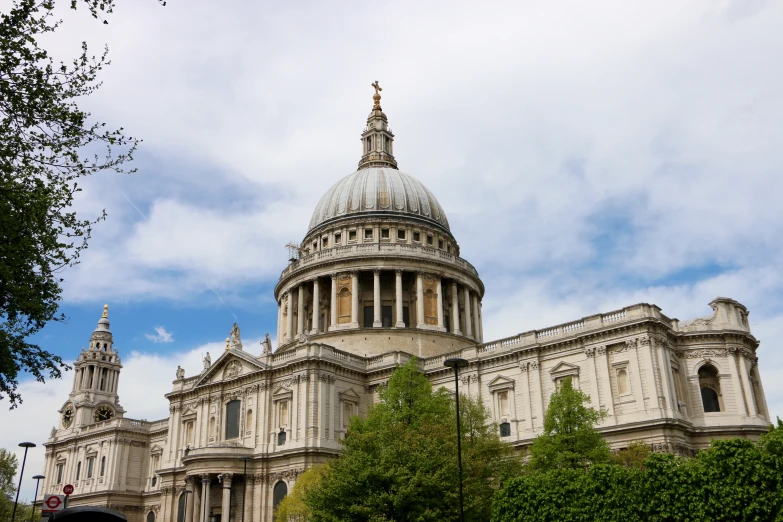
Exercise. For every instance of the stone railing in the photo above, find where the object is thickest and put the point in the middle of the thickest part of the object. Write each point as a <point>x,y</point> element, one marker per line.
<point>403,250</point>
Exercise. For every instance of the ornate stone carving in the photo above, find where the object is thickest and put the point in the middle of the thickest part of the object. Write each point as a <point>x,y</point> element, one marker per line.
<point>600,350</point>
<point>644,341</point>
<point>233,369</point>
<point>327,378</point>
<point>702,353</point>
<point>590,351</point>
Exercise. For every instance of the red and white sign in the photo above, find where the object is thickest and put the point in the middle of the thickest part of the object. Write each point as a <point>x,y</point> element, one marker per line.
<point>68,489</point>
<point>53,503</point>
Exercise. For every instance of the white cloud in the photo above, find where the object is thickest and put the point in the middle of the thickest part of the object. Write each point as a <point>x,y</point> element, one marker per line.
<point>160,336</point>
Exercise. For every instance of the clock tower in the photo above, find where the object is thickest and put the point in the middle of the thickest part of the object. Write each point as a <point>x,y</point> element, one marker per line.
<point>96,376</point>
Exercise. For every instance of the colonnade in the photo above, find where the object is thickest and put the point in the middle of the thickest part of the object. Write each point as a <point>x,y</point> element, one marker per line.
<point>199,506</point>
<point>94,372</point>
<point>463,306</point>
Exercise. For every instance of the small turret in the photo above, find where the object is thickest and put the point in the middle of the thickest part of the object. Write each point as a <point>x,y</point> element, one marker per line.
<point>377,138</point>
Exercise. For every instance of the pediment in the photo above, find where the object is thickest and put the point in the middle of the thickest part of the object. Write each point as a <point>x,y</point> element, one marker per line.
<point>231,365</point>
<point>564,368</point>
<point>349,395</point>
<point>282,393</point>
<point>500,382</point>
<point>156,450</point>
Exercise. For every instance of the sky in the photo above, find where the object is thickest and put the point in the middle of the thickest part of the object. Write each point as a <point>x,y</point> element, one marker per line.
<point>589,156</point>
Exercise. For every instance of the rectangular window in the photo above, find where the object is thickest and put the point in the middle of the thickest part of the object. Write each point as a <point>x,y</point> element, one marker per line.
<point>338,238</point>
<point>406,316</point>
<point>369,312</point>
<point>90,466</point>
<point>315,246</point>
<point>347,413</point>
<point>78,470</point>
<point>351,235</point>
<point>386,316</point>
<point>59,473</point>
<point>367,233</point>
<point>384,233</point>
<point>232,419</point>
<point>430,241</point>
<point>416,236</point>
<point>503,404</point>
<point>440,244</point>
<point>189,433</point>
<point>400,234</point>
<point>283,419</point>
<point>324,242</point>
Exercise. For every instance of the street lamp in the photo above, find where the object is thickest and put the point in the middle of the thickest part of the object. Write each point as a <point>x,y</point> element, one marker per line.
<point>37,479</point>
<point>244,486</point>
<point>26,446</point>
<point>458,363</point>
<point>185,511</point>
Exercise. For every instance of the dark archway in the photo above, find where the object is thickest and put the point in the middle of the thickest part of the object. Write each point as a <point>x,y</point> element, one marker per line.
<point>181,507</point>
<point>278,494</point>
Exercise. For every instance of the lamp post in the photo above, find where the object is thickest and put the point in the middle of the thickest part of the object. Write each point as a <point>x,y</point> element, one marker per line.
<point>37,479</point>
<point>185,511</point>
<point>244,486</point>
<point>458,363</point>
<point>26,446</point>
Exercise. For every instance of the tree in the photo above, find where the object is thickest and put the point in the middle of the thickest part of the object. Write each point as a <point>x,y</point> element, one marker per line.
<point>46,144</point>
<point>400,462</point>
<point>570,439</point>
<point>8,465</point>
<point>293,507</point>
<point>632,456</point>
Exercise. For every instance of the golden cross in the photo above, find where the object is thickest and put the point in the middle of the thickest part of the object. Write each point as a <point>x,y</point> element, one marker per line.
<point>377,86</point>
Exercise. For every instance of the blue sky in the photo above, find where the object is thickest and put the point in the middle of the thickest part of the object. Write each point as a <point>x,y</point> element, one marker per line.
<point>588,157</point>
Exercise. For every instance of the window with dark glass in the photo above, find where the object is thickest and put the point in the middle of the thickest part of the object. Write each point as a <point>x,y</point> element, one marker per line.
<point>367,233</point>
<point>103,466</point>
<point>400,233</point>
<point>386,316</point>
<point>181,508</point>
<point>440,244</point>
<point>278,494</point>
<point>281,438</point>
<point>154,481</point>
<point>90,466</point>
<point>351,235</point>
<point>429,239</point>
<point>406,316</point>
<point>232,419</point>
<point>368,316</point>
<point>59,473</point>
<point>324,242</point>
<point>709,382</point>
<point>416,236</point>
<point>505,429</point>
<point>337,238</point>
<point>385,233</point>
<point>151,516</point>
<point>78,470</point>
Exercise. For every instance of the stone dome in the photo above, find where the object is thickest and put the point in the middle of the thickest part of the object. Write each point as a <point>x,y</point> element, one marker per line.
<point>379,191</point>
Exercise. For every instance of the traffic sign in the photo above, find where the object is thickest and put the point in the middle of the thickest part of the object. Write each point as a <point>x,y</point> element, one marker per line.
<point>68,489</point>
<point>53,503</point>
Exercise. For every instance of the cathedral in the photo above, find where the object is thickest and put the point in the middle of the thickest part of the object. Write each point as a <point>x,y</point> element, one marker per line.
<point>378,279</point>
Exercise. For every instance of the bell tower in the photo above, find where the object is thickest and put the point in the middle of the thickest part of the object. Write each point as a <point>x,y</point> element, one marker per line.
<point>96,376</point>
<point>377,138</point>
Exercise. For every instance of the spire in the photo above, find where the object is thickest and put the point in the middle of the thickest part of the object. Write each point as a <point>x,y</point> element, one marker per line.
<point>377,138</point>
<point>101,337</point>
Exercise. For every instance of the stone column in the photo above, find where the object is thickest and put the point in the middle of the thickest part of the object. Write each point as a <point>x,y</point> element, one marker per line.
<point>474,309</point>
<point>745,378</point>
<point>376,301</point>
<point>355,299</point>
<point>279,322</point>
<point>419,300</point>
<point>197,499</point>
<point>249,488</point>
<point>440,304</point>
<point>190,483</point>
<point>300,320</point>
<point>398,298</point>
<point>290,317</point>
<point>225,515</point>
<point>205,498</point>
<point>316,306</point>
<point>455,309</point>
<point>602,365</point>
<point>468,315</point>
<point>736,381</point>
<point>333,326</point>
<point>480,322</point>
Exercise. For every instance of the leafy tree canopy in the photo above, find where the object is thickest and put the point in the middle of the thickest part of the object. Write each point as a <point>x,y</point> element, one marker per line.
<point>8,465</point>
<point>293,507</point>
<point>570,439</point>
<point>46,144</point>
<point>400,462</point>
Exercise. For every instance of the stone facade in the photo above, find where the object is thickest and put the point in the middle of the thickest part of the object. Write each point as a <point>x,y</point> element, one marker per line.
<point>378,279</point>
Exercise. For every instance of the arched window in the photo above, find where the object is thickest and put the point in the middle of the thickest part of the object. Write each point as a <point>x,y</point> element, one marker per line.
<point>78,470</point>
<point>710,388</point>
<point>344,306</point>
<point>278,494</point>
<point>103,466</point>
<point>430,307</point>
<point>181,508</point>
<point>249,420</point>
<point>232,419</point>
<point>623,386</point>
<point>151,516</point>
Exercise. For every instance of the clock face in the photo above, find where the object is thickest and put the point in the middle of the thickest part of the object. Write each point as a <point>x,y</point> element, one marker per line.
<point>103,413</point>
<point>68,417</point>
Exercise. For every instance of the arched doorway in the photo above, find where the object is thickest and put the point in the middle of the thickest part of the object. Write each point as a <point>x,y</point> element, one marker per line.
<point>278,494</point>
